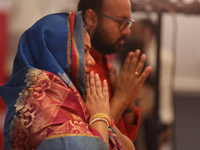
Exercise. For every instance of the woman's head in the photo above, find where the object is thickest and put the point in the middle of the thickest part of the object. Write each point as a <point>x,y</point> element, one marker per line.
<point>55,43</point>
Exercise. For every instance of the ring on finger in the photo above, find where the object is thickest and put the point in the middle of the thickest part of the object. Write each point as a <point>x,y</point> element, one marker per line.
<point>137,73</point>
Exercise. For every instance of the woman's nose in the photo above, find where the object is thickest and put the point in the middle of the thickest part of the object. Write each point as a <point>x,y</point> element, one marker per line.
<point>90,61</point>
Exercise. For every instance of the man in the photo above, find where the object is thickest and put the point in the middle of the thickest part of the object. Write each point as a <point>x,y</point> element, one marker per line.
<point>109,22</point>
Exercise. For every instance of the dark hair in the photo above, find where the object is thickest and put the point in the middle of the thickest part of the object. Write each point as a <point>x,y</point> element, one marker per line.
<point>85,25</point>
<point>95,5</point>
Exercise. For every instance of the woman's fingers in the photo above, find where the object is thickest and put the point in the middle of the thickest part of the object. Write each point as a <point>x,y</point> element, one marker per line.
<point>98,85</point>
<point>92,83</point>
<point>88,84</point>
<point>94,87</point>
<point>105,88</point>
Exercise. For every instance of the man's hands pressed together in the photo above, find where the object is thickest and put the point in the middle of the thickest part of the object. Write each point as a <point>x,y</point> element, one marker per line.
<point>126,87</point>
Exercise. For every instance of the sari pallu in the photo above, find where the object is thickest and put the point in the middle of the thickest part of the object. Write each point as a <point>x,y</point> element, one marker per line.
<point>45,109</point>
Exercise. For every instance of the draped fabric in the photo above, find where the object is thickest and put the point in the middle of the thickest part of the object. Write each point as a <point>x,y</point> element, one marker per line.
<point>45,109</point>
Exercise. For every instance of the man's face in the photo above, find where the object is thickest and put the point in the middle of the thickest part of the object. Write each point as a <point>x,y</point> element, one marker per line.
<point>107,38</point>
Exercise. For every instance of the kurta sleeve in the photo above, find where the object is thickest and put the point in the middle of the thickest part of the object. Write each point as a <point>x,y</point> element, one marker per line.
<point>130,130</point>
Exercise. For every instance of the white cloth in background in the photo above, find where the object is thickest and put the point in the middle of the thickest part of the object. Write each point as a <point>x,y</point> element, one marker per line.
<point>166,107</point>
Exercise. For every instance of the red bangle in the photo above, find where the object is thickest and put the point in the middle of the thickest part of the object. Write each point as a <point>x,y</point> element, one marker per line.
<point>111,122</point>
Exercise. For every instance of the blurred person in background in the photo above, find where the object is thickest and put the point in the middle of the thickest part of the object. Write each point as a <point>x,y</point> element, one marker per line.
<point>109,22</point>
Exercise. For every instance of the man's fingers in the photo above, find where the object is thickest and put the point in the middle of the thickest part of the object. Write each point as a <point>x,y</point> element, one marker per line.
<point>145,73</point>
<point>127,61</point>
<point>140,64</point>
<point>112,75</point>
<point>134,61</point>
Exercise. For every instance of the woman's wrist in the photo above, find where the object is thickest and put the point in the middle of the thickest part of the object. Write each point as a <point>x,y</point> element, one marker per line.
<point>102,117</point>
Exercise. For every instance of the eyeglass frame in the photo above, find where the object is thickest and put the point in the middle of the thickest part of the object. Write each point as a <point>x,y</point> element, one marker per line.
<point>129,21</point>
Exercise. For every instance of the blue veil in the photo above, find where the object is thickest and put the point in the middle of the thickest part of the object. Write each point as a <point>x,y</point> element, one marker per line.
<point>47,45</point>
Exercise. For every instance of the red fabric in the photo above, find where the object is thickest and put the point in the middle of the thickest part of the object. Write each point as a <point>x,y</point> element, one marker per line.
<point>74,51</point>
<point>1,141</point>
<point>3,79</point>
<point>51,111</point>
<point>3,46</point>
<point>130,130</point>
<point>2,115</point>
<point>102,67</point>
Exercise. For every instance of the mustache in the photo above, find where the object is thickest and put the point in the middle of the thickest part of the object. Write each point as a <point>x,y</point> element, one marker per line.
<point>121,38</point>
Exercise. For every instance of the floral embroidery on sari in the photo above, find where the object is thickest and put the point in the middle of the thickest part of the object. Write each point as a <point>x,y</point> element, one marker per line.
<point>25,113</point>
<point>38,99</point>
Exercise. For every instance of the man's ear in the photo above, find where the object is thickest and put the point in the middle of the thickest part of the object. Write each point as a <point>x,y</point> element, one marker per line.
<point>91,17</point>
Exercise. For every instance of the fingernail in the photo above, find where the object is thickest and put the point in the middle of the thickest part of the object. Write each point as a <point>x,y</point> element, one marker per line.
<point>96,75</point>
<point>91,72</point>
<point>104,82</point>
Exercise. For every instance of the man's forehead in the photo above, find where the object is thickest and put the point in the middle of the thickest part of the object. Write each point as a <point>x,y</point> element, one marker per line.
<point>121,7</point>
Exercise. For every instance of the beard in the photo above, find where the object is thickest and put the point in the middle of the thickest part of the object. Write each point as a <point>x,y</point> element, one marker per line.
<point>100,41</point>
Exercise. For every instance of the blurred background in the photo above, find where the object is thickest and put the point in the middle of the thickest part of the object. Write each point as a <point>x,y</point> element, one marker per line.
<point>168,32</point>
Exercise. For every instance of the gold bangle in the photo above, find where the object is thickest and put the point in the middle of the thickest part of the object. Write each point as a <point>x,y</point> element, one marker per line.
<point>100,115</point>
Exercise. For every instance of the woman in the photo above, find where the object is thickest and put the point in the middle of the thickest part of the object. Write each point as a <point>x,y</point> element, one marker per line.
<point>44,97</point>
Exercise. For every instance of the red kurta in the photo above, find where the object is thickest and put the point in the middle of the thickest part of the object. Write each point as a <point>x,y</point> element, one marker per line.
<point>102,67</point>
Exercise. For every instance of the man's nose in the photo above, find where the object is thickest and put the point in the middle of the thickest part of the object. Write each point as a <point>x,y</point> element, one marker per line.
<point>126,31</point>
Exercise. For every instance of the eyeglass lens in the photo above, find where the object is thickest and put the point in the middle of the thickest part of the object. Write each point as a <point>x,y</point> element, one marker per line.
<point>124,24</point>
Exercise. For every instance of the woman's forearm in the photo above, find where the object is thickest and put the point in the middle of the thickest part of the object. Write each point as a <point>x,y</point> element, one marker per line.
<point>102,128</point>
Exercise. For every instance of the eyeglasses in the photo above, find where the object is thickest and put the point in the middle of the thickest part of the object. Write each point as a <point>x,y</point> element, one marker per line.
<point>123,23</point>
